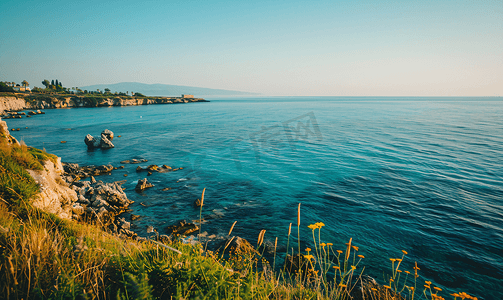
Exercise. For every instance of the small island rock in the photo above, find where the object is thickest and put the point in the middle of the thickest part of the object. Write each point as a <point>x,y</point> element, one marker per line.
<point>142,185</point>
<point>108,134</point>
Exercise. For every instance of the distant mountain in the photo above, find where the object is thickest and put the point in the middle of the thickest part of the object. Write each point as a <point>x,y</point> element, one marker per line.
<point>164,89</point>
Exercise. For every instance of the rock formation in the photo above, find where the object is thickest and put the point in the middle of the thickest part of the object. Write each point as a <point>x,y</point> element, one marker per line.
<point>55,196</point>
<point>104,142</point>
<point>142,185</point>
<point>183,228</point>
<point>74,172</point>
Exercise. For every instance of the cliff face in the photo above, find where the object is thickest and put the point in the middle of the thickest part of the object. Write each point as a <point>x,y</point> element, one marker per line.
<point>46,102</point>
<point>11,103</point>
<point>4,132</point>
<point>55,196</point>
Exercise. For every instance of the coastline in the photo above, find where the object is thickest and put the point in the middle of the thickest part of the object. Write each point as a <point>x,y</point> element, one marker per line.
<point>17,101</point>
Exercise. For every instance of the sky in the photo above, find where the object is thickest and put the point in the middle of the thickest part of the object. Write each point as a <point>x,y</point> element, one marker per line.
<point>277,48</point>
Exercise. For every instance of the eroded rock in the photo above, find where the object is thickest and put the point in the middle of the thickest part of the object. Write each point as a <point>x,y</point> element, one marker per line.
<point>106,143</point>
<point>142,185</point>
<point>108,134</point>
<point>182,228</point>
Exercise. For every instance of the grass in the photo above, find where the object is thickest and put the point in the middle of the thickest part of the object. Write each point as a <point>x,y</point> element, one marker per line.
<point>45,257</point>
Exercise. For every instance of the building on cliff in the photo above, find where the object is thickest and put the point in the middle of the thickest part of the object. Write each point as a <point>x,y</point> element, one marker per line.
<point>21,89</point>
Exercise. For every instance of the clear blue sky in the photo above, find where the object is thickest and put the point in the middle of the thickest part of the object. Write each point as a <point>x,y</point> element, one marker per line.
<point>354,48</point>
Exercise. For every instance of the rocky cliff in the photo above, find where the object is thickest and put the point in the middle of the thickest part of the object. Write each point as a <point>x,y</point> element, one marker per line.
<point>55,196</point>
<point>15,103</point>
<point>11,103</point>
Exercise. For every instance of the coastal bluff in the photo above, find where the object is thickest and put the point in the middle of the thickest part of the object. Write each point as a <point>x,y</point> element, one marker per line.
<point>18,102</point>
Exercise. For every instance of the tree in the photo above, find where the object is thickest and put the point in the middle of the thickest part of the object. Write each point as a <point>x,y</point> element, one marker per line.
<point>25,83</point>
<point>107,90</point>
<point>5,88</point>
<point>46,83</point>
<point>52,82</point>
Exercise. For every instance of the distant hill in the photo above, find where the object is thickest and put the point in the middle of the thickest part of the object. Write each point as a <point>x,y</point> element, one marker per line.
<point>164,89</point>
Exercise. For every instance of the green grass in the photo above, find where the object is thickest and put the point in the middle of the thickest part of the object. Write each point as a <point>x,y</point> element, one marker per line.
<point>15,182</point>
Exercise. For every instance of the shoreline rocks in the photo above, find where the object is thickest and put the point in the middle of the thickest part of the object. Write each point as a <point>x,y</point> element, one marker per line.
<point>134,161</point>
<point>182,228</point>
<point>74,172</point>
<point>154,168</point>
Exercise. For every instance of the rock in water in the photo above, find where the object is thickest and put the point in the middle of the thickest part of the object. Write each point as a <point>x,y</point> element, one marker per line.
<point>142,185</point>
<point>198,203</point>
<point>183,228</point>
<point>108,134</point>
<point>105,143</point>
<point>91,142</point>
<point>112,193</point>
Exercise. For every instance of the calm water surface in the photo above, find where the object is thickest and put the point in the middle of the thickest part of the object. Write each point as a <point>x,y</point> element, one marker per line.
<point>419,174</point>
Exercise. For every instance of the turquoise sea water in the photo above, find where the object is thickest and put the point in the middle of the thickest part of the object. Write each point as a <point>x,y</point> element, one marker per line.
<point>420,174</point>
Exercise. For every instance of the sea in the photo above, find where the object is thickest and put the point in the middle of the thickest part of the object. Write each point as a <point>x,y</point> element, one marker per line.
<point>420,174</point>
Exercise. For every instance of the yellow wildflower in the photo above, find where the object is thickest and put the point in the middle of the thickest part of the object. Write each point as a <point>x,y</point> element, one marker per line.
<point>319,224</point>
